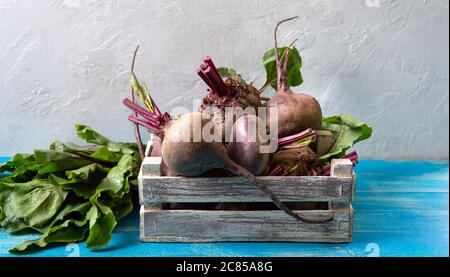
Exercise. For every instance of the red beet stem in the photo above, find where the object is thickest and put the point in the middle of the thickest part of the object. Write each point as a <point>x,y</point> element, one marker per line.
<point>204,78</point>
<point>211,64</point>
<point>146,124</point>
<point>278,170</point>
<point>218,82</point>
<point>309,133</point>
<point>211,76</point>
<point>353,156</point>
<point>141,111</point>
<point>290,146</point>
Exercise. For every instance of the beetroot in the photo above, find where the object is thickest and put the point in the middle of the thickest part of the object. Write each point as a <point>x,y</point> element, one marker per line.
<point>189,155</point>
<point>245,147</point>
<point>156,152</point>
<point>296,112</point>
<point>299,161</point>
<point>230,93</point>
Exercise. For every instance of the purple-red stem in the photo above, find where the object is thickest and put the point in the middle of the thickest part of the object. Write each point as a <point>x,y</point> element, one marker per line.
<point>278,170</point>
<point>141,111</point>
<point>146,124</point>
<point>309,133</point>
<point>210,75</point>
<point>219,85</point>
<point>211,64</point>
<point>204,78</point>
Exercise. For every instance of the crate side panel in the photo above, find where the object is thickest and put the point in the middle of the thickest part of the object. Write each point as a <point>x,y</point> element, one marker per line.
<point>202,190</point>
<point>210,226</point>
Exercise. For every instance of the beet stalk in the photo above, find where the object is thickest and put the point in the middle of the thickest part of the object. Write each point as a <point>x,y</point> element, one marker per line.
<point>296,111</point>
<point>293,140</point>
<point>137,131</point>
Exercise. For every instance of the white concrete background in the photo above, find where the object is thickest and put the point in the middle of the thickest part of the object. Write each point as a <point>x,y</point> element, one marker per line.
<point>66,62</point>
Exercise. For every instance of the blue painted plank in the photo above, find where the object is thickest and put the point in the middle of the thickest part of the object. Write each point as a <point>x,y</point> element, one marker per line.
<point>402,176</point>
<point>125,243</point>
<point>401,209</point>
<point>4,159</point>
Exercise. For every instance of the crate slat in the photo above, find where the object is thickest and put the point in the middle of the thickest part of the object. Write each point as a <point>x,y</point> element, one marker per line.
<point>236,189</point>
<point>211,226</point>
<point>160,189</point>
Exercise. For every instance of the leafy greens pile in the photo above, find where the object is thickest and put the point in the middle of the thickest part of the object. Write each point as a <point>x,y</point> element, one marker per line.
<point>69,193</point>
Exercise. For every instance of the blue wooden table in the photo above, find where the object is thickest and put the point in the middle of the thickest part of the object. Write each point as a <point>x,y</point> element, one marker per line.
<point>401,209</point>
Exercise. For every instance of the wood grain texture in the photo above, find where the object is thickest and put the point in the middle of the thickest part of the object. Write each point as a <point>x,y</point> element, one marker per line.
<point>341,168</point>
<point>151,166</point>
<point>160,189</point>
<point>237,189</point>
<point>208,226</point>
<point>353,186</point>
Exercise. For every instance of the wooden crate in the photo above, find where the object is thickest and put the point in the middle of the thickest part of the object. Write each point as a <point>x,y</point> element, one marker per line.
<point>195,223</point>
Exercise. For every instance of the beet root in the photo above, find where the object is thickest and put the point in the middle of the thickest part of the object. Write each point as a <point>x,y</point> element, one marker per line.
<point>245,147</point>
<point>186,156</point>
<point>297,161</point>
<point>296,112</point>
<point>156,152</point>
<point>222,94</point>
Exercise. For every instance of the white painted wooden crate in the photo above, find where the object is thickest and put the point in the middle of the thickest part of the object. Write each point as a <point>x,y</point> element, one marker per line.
<point>160,223</point>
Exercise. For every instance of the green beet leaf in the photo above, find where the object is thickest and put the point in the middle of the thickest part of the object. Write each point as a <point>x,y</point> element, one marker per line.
<point>31,204</point>
<point>73,208</point>
<point>22,166</point>
<point>226,72</point>
<point>67,232</point>
<point>101,217</point>
<point>77,186</point>
<point>103,154</point>
<point>346,131</point>
<point>90,173</point>
<point>51,161</point>
<point>72,148</point>
<point>293,77</point>
<point>121,207</point>
<point>116,182</point>
<point>92,136</point>
<point>95,152</point>
<point>101,224</point>
<point>18,161</point>
<point>142,91</point>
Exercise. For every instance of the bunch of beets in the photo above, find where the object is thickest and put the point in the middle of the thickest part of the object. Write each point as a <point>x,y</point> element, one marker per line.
<point>298,116</point>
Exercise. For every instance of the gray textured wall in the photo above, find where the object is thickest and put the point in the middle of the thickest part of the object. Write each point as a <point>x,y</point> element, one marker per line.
<point>67,62</point>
